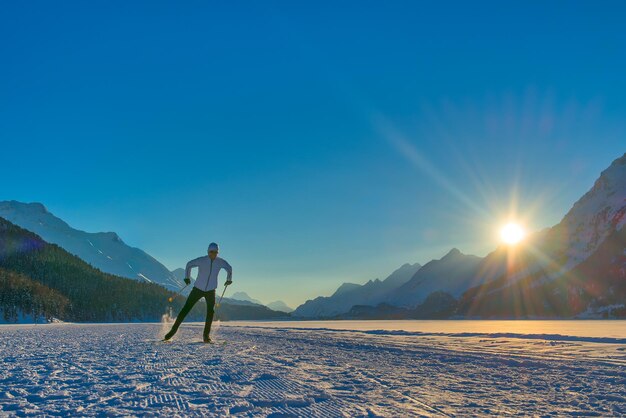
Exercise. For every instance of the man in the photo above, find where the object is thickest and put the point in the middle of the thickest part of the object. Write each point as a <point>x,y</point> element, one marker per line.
<point>206,283</point>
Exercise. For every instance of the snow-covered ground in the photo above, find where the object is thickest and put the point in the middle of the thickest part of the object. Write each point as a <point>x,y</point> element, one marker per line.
<point>83,370</point>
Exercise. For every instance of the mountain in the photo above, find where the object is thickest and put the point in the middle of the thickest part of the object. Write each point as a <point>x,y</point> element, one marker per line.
<point>348,295</point>
<point>431,292</point>
<point>437,305</point>
<point>346,288</point>
<point>42,280</point>
<point>243,296</point>
<point>279,306</point>
<point>179,274</point>
<point>103,250</point>
<point>576,268</point>
<point>240,302</point>
<point>451,274</point>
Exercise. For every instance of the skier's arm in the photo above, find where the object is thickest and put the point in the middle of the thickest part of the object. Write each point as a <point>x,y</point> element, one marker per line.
<point>229,271</point>
<point>193,263</point>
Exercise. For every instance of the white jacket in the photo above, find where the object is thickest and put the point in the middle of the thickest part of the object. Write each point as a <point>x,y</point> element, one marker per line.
<point>207,271</point>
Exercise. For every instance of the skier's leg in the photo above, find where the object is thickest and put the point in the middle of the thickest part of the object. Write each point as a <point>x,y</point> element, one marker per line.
<point>192,299</point>
<point>210,307</point>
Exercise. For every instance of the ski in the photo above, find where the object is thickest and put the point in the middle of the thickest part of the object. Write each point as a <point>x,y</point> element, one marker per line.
<point>217,343</point>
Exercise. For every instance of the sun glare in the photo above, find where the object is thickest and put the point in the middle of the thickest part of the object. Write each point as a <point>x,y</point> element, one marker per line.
<point>512,233</point>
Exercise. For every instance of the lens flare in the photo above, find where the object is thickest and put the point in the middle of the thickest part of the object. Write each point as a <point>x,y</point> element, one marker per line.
<point>512,233</point>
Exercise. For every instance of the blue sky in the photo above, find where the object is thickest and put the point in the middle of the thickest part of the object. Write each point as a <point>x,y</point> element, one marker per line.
<point>317,142</point>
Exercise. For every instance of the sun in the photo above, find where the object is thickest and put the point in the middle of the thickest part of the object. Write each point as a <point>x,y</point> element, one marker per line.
<point>512,233</point>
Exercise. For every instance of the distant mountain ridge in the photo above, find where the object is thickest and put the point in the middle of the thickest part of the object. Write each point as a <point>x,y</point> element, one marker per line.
<point>279,306</point>
<point>243,296</point>
<point>406,288</point>
<point>103,250</point>
<point>576,268</point>
<point>348,294</point>
<point>449,274</point>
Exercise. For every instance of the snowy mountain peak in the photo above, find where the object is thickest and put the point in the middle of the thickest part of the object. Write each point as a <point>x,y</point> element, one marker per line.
<point>104,250</point>
<point>35,207</point>
<point>611,180</point>
<point>621,161</point>
<point>601,211</point>
<point>30,213</point>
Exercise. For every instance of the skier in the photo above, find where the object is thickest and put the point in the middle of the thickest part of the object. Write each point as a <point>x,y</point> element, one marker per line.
<point>204,287</point>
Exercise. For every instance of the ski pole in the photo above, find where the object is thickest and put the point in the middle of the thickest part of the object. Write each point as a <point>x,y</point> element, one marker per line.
<point>217,305</point>
<point>171,298</point>
<point>220,301</point>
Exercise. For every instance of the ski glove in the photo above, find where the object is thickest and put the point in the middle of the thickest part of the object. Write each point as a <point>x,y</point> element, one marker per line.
<point>228,283</point>
<point>187,281</point>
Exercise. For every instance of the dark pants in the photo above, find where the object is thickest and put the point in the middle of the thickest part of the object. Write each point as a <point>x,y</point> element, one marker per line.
<point>195,295</point>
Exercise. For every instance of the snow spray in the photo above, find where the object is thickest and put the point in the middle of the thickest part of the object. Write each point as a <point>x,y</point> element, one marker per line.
<point>166,321</point>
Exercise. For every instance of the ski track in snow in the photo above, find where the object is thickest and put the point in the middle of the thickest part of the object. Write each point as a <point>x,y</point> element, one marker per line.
<point>122,369</point>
